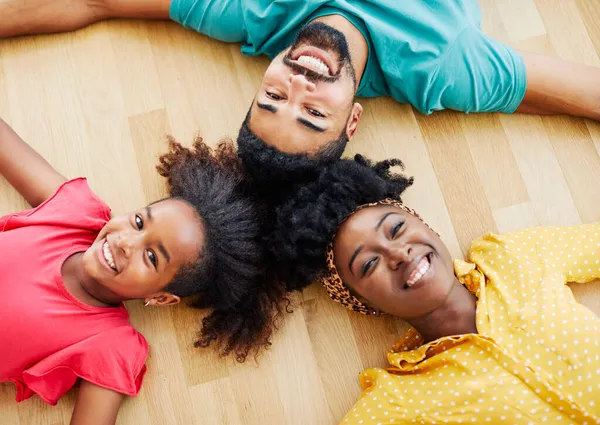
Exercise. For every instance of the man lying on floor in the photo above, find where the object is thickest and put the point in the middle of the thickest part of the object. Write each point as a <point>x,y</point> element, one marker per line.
<point>431,54</point>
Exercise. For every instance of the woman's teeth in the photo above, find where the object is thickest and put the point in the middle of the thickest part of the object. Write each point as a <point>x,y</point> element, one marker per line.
<point>314,64</point>
<point>418,272</point>
<point>108,255</point>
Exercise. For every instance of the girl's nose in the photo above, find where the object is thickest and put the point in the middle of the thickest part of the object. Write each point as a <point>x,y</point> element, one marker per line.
<point>128,242</point>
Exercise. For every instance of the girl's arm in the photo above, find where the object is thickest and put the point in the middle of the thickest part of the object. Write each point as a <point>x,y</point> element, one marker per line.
<point>96,405</point>
<point>25,169</point>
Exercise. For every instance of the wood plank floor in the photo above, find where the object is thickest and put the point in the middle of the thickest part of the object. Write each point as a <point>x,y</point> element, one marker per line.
<point>97,103</point>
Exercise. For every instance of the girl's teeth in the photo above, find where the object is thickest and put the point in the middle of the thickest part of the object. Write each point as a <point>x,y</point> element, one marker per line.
<point>108,255</point>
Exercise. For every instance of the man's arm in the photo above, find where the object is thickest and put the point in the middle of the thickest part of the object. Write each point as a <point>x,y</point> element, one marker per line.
<point>25,169</point>
<point>96,405</point>
<point>556,86</point>
<point>23,17</point>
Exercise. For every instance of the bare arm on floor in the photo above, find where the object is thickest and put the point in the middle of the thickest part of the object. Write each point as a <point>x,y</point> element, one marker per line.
<point>23,17</point>
<point>96,405</point>
<point>556,86</point>
<point>25,169</point>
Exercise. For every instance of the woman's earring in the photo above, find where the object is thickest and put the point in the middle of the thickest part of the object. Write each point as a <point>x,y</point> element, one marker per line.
<point>375,312</point>
<point>147,303</point>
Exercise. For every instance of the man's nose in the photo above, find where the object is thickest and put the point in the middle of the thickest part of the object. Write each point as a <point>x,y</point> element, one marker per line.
<point>299,86</point>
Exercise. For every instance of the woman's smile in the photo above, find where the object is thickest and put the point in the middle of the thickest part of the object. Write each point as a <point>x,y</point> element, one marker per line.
<point>419,272</point>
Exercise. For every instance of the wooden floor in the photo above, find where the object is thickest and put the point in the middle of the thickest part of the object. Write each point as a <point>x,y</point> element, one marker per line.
<point>97,102</point>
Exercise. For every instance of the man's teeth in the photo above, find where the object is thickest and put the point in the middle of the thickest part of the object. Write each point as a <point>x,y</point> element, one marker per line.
<point>108,255</point>
<point>419,272</point>
<point>313,64</point>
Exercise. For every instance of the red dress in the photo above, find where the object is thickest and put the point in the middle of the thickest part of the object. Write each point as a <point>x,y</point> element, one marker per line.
<point>48,338</point>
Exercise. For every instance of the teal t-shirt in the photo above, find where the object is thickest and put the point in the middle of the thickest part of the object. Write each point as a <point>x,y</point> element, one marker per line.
<point>429,53</point>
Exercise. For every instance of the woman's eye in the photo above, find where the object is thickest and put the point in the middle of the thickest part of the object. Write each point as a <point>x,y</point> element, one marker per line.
<point>139,222</point>
<point>396,229</point>
<point>368,266</point>
<point>152,258</point>
<point>315,113</point>
<point>273,96</point>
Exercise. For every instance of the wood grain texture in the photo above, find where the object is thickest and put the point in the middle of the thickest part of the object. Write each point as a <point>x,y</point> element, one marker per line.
<point>99,102</point>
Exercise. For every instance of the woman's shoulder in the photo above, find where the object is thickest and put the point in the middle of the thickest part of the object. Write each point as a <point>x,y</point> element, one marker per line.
<point>492,242</point>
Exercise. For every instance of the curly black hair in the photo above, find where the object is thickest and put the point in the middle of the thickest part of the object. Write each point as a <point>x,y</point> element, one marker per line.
<point>305,223</point>
<point>230,277</point>
<point>275,173</point>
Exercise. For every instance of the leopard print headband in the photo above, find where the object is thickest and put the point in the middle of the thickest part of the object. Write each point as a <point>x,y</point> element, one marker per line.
<point>336,289</point>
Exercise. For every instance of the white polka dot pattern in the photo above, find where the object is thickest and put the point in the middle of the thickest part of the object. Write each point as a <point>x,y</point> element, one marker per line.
<point>536,359</point>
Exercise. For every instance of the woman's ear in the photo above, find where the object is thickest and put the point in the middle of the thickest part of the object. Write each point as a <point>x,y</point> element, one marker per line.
<point>161,299</point>
<point>372,310</point>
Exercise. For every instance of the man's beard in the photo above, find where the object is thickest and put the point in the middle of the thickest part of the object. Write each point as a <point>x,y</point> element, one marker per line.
<point>322,36</point>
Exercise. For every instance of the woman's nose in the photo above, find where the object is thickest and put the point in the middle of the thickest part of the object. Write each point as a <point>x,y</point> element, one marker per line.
<point>398,254</point>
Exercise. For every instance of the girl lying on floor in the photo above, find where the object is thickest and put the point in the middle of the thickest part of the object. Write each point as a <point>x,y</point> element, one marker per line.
<point>497,339</point>
<point>67,267</point>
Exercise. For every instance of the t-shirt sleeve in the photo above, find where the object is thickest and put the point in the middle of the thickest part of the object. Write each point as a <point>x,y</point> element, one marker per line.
<point>73,204</point>
<point>3,221</point>
<point>477,74</point>
<point>114,360</point>
<point>219,19</point>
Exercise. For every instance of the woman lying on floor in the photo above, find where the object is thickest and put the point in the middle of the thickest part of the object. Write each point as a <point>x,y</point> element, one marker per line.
<point>497,339</point>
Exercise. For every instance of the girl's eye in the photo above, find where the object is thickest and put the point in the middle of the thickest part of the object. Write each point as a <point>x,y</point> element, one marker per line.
<point>315,113</point>
<point>368,266</point>
<point>139,222</point>
<point>273,96</point>
<point>397,228</point>
<point>152,258</point>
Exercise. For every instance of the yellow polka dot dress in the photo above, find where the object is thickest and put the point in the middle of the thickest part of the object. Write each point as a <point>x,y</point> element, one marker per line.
<point>535,359</point>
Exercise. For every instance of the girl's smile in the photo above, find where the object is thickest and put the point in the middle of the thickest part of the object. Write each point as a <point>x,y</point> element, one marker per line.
<point>106,255</point>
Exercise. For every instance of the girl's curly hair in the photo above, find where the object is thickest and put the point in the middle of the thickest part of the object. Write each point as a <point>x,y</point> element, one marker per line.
<point>306,223</point>
<point>230,277</point>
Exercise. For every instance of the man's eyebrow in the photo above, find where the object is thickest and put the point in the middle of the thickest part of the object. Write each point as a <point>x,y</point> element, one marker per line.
<point>310,125</point>
<point>303,121</point>
<point>266,107</point>
<point>354,257</point>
